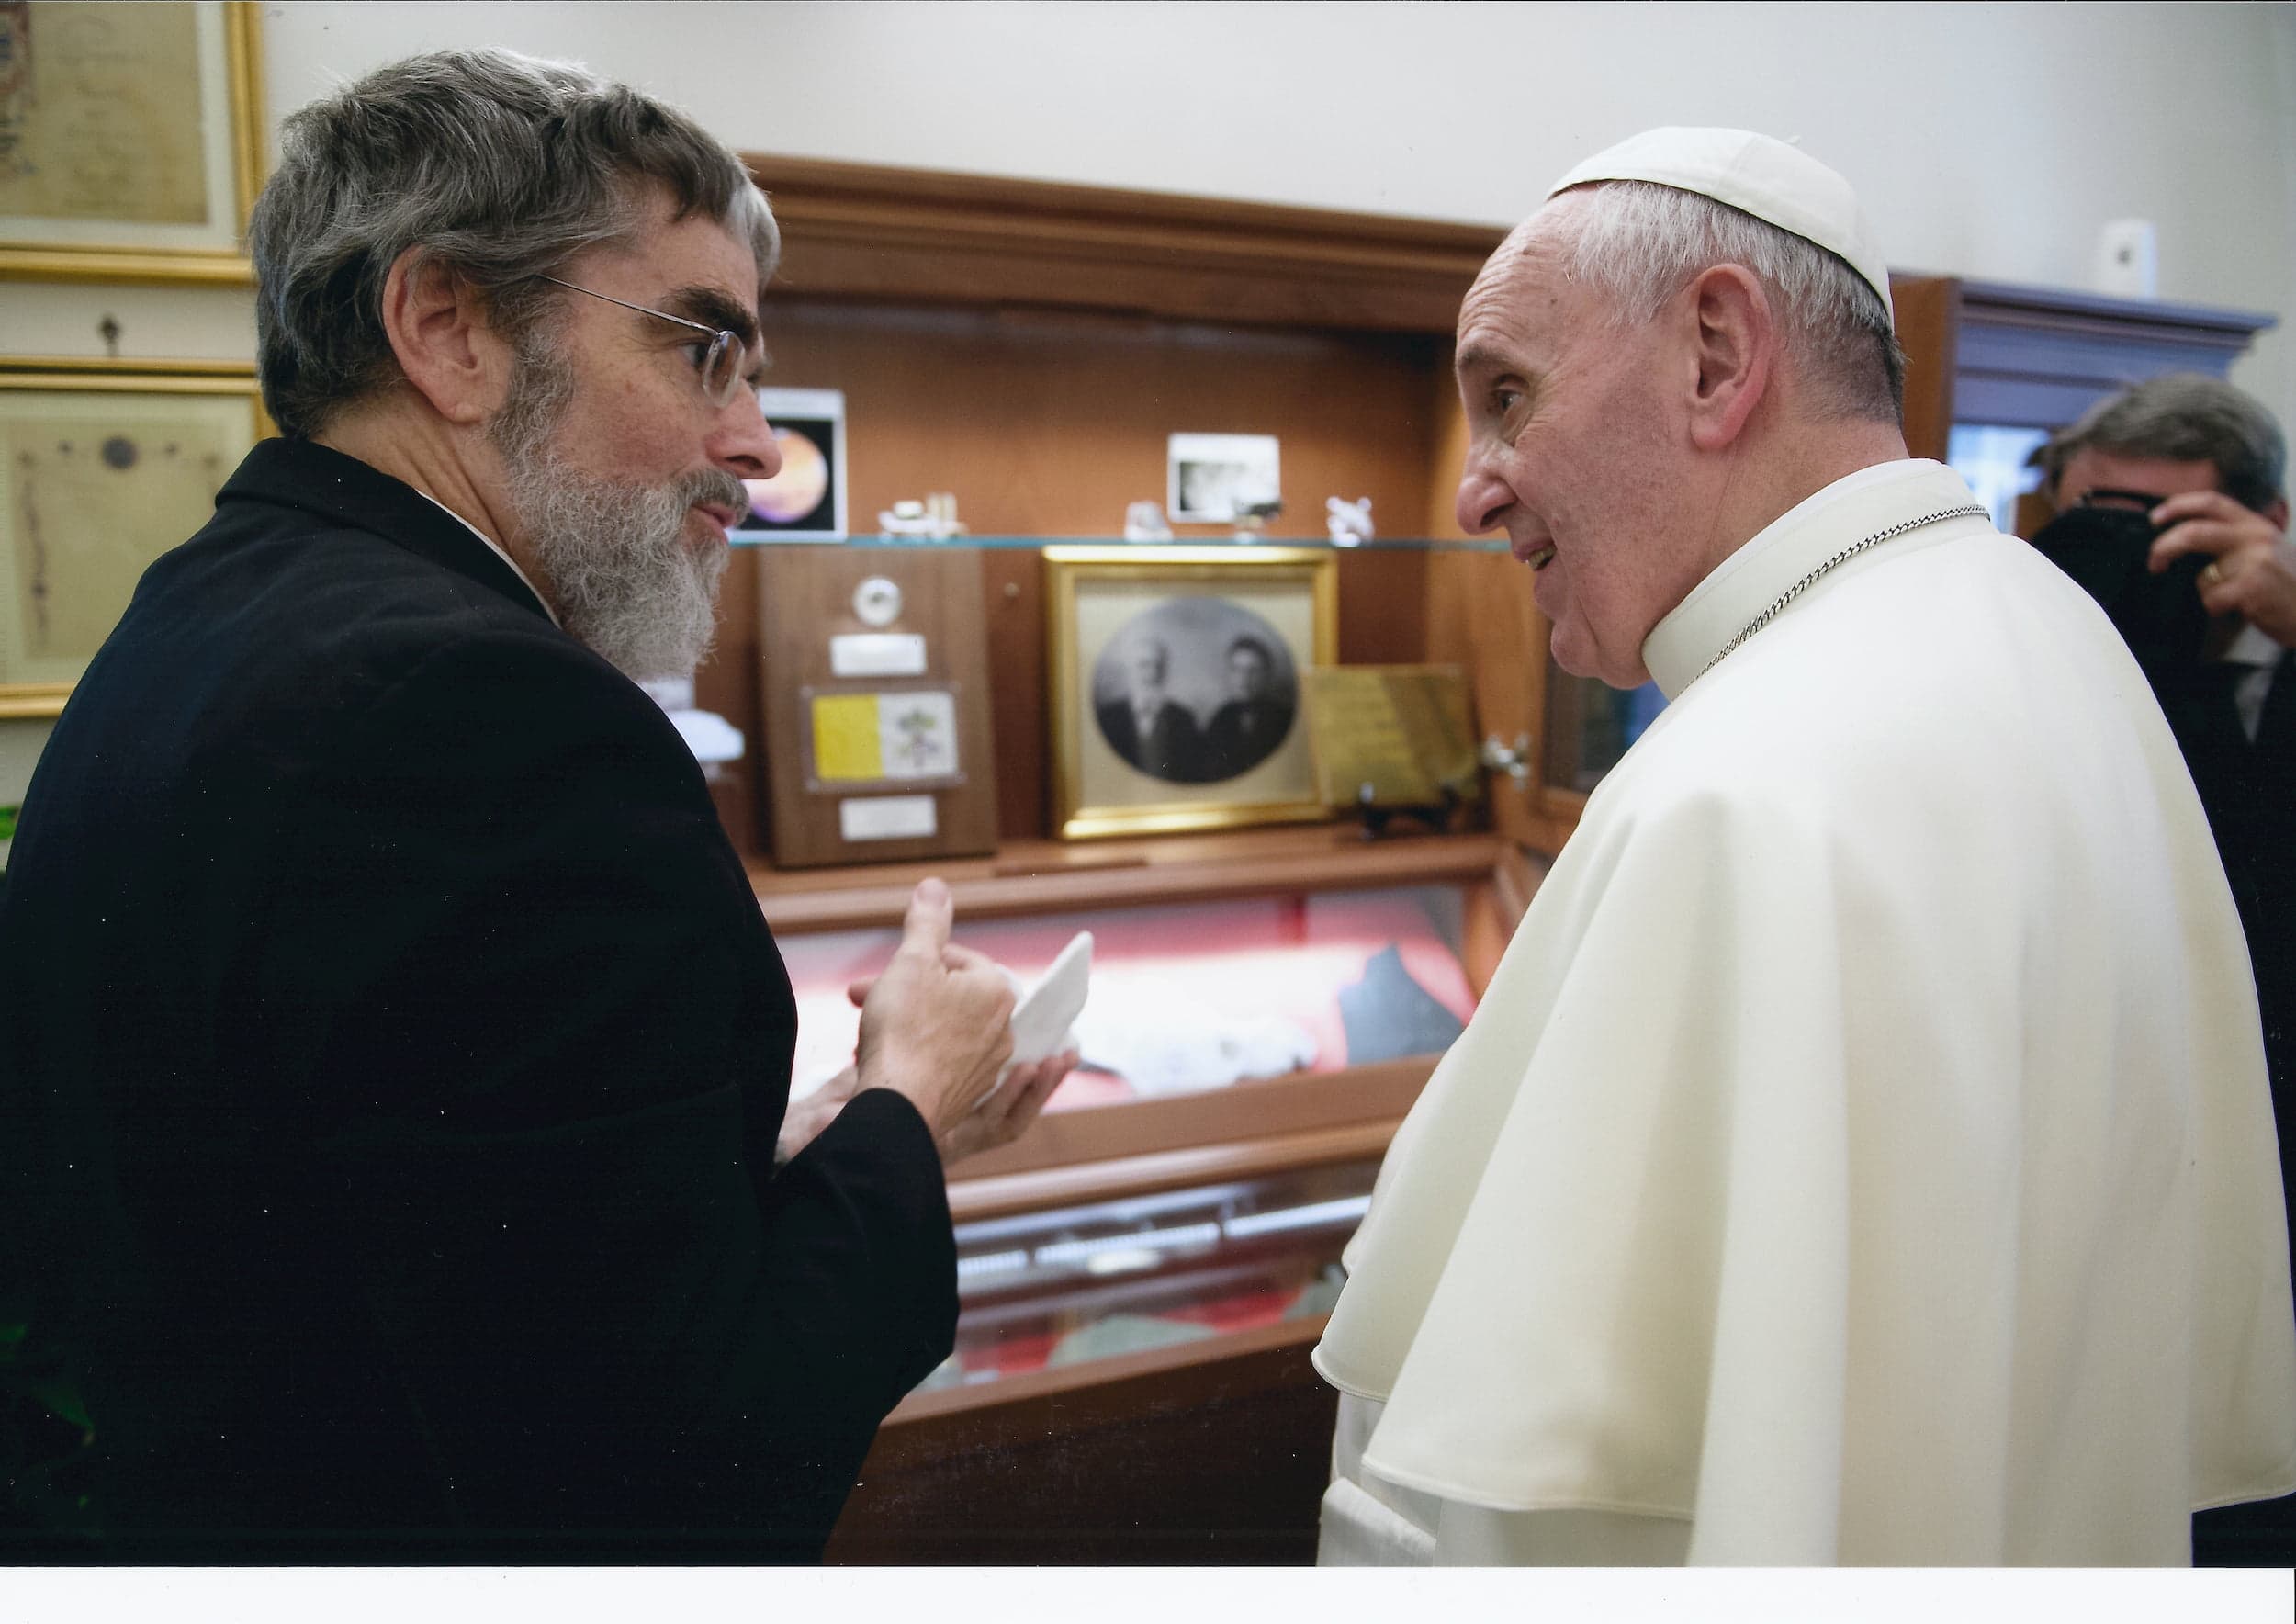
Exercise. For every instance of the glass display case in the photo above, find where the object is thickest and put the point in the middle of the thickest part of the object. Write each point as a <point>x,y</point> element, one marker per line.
<point>1145,1270</point>
<point>1189,996</point>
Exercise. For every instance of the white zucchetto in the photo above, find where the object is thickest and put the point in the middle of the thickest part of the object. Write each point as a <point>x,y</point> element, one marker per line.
<point>1763,177</point>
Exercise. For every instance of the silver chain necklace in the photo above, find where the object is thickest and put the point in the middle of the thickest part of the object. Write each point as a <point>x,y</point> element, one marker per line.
<point>1971,510</point>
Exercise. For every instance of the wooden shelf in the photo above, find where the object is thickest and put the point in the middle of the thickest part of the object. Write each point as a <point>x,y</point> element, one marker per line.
<point>1053,876</point>
<point>1092,1392</point>
<point>1307,1118</point>
<point>1079,1183</point>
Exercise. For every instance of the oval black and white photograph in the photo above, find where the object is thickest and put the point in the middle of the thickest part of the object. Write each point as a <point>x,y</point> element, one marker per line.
<point>1195,690</point>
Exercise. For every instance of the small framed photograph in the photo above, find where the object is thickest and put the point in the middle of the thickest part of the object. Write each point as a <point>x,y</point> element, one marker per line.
<point>1210,479</point>
<point>104,465</point>
<point>804,501</point>
<point>131,140</point>
<point>1175,681</point>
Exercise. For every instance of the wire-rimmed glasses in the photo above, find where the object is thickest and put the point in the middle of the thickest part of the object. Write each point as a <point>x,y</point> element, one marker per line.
<point>720,367</point>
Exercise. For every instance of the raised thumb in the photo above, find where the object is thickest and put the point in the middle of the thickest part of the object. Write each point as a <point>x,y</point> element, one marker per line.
<point>925,928</point>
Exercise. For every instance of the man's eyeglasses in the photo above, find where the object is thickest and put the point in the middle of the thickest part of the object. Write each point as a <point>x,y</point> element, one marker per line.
<point>720,365</point>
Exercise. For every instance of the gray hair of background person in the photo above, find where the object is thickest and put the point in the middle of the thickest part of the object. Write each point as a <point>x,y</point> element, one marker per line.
<point>499,166</point>
<point>1641,243</point>
<point>2182,417</point>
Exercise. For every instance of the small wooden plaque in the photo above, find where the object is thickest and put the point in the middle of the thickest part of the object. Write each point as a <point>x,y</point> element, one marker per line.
<point>837,796</point>
<point>1401,731</point>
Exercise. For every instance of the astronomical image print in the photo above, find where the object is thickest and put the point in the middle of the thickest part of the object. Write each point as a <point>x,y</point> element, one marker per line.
<point>1195,690</point>
<point>802,500</point>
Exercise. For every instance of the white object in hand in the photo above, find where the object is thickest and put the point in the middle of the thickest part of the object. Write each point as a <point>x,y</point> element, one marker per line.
<point>1043,1016</point>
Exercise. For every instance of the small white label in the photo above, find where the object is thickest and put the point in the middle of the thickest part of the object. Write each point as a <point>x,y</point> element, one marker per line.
<point>887,818</point>
<point>877,654</point>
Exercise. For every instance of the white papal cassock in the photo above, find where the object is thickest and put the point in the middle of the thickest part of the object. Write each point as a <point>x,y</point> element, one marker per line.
<point>1863,1152</point>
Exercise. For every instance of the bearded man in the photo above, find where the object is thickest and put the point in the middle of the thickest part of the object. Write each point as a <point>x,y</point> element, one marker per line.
<point>1862,1153</point>
<point>394,1053</point>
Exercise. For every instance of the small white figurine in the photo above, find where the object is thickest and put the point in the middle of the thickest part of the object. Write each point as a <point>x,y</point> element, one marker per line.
<point>934,518</point>
<point>1143,521</point>
<point>1349,522</point>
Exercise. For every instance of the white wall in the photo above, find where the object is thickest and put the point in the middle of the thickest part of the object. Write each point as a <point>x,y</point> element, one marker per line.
<point>1986,141</point>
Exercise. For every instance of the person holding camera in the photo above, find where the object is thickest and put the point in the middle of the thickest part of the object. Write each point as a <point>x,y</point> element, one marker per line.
<point>2172,508</point>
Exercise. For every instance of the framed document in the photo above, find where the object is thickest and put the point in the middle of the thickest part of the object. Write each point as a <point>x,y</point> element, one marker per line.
<point>131,139</point>
<point>1174,684</point>
<point>104,465</point>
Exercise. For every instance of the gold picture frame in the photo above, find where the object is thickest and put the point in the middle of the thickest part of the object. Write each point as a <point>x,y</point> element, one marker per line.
<point>131,140</point>
<point>1174,684</point>
<point>104,465</point>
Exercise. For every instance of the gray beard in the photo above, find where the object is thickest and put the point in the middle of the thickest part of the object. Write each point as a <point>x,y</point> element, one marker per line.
<point>623,580</point>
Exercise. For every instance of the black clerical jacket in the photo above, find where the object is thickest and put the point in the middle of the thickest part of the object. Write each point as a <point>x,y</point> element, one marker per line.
<point>2249,789</point>
<point>390,1062</point>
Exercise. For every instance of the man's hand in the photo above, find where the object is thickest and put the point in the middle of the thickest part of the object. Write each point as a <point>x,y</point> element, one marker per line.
<point>804,1119</point>
<point>933,1027</point>
<point>2252,571</point>
<point>1007,1113</point>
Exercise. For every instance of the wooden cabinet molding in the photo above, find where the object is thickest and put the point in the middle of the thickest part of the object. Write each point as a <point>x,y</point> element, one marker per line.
<point>861,231</point>
<point>2036,357</point>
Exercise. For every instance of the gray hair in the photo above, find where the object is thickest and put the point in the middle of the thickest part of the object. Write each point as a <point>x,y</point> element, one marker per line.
<point>2182,417</point>
<point>499,167</point>
<point>1641,243</point>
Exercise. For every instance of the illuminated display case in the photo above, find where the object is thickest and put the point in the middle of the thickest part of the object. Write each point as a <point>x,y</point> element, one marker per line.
<point>1146,1270</point>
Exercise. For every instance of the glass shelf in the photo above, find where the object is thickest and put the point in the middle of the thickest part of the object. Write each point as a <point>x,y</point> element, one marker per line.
<point>1015,543</point>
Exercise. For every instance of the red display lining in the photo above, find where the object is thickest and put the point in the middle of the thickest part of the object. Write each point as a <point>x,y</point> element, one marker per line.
<point>1209,962</point>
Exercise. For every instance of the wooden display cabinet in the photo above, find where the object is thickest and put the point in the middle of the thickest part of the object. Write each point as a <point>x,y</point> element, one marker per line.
<point>1030,347</point>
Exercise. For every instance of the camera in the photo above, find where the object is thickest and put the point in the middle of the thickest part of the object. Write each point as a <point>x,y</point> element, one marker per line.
<point>2161,616</point>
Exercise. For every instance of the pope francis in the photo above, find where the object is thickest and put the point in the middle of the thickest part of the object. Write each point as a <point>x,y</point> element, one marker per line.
<point>1862,1153</point>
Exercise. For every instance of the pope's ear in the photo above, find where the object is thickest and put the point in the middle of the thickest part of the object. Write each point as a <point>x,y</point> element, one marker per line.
<point>1734,338</point>
<point>446,346</point>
